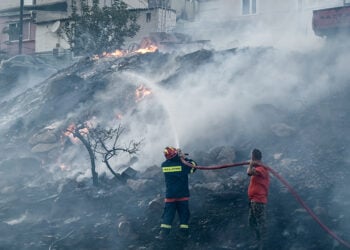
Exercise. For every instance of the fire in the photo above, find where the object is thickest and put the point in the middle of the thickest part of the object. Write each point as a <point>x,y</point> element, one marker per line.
<point>150,49</point>
<point>70,133</point>
<point>64,167</point>
<point>119,116</point>
<point>120,53</point>
<point>116,53</point>
<point>142,92</point>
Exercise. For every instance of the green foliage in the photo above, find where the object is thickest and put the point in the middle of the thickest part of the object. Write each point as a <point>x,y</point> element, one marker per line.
<point>92,30</point>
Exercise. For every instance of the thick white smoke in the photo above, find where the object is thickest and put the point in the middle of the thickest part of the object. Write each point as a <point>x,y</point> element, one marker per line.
<point>218,98</point>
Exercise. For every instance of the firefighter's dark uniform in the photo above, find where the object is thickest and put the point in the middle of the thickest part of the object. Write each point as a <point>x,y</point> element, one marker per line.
<point>177,194</point>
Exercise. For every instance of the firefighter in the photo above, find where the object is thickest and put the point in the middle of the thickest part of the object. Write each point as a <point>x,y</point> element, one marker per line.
<point>176,193</point>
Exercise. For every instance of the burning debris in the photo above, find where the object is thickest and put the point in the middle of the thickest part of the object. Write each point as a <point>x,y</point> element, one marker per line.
<point>121,53</point>
<point>142,92</point>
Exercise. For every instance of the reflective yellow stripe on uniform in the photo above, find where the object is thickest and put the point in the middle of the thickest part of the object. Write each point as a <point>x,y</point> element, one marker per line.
<point>165,226</point>
<point>172,169</point>
<point>183,226</point>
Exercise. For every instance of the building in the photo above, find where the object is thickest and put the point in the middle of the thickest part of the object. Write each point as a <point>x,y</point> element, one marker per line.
<point>43,21</point>
<point>49,15</point>
<point>185,9</point>
<point>10,26</point>
<point>150,20</point>
<point>257,22</point>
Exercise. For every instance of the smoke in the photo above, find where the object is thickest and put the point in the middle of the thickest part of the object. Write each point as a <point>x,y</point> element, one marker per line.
<point>284,66</point>
<point>220,98</point>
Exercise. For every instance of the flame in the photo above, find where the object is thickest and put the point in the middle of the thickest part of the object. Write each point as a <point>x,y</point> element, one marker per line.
<point>71,129</point>
<point>64,167</point>
<point>141,92</point>
<point>150,49</point>
<point>116,53</point>
<point>120,53</point>
<point>119,116</point>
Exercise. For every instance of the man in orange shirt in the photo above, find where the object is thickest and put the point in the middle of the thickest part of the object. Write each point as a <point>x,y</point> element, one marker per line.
<point>258,192</point>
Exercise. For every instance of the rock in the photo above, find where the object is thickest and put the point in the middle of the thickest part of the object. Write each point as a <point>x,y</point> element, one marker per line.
<point>156,205</point>
<point>128,172</point>
<point>44,147</point>
<point>125,229</point>
<point>139,185</point>
<point>222,155</point>
<point>44,136</point>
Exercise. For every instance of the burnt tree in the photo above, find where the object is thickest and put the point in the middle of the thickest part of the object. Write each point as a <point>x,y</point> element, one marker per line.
<point>107,145</point>
<point>104,142</point>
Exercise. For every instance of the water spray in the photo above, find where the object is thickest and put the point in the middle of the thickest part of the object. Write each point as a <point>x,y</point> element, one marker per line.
<point>160,94</point>
<point>286,184</point>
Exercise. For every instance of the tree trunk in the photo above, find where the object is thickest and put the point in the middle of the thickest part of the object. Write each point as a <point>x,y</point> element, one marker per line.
<point>92,157</point>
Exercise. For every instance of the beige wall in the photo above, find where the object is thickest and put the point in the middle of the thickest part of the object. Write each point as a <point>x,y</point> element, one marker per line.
<point>47,38</point>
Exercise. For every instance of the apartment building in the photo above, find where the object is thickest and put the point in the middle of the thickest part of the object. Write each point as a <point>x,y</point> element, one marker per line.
<point>268,18</point>
<point>42,22</point>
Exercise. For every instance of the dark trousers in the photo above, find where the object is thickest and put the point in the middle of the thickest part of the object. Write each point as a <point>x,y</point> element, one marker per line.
<point>257,220</point>
<point>170,209</point>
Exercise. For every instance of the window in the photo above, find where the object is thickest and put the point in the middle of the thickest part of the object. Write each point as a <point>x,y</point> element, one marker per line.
<point>13,31</point>
<point>245,7</point>
<point>249,7</point>
<point>253,6</point>
<point>148,17</point>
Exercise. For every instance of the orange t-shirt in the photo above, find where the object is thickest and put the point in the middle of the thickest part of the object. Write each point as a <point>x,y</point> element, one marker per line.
<point>259,185</point>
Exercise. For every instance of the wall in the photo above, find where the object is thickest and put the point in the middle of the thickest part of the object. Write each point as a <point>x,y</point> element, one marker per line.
<point>161,21</point>
<point>11,47</point>
<point>185,9</point>
<point>134,3</point>
<point>321,4</point>
<point>47,38</point>
<point>40,2</point>
<point>5,4</point>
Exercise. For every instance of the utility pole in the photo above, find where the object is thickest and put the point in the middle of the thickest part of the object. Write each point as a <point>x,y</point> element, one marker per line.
<point>20,37</point>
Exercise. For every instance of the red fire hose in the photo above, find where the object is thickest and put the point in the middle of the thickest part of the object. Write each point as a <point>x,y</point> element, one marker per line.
<point>285,183</point>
